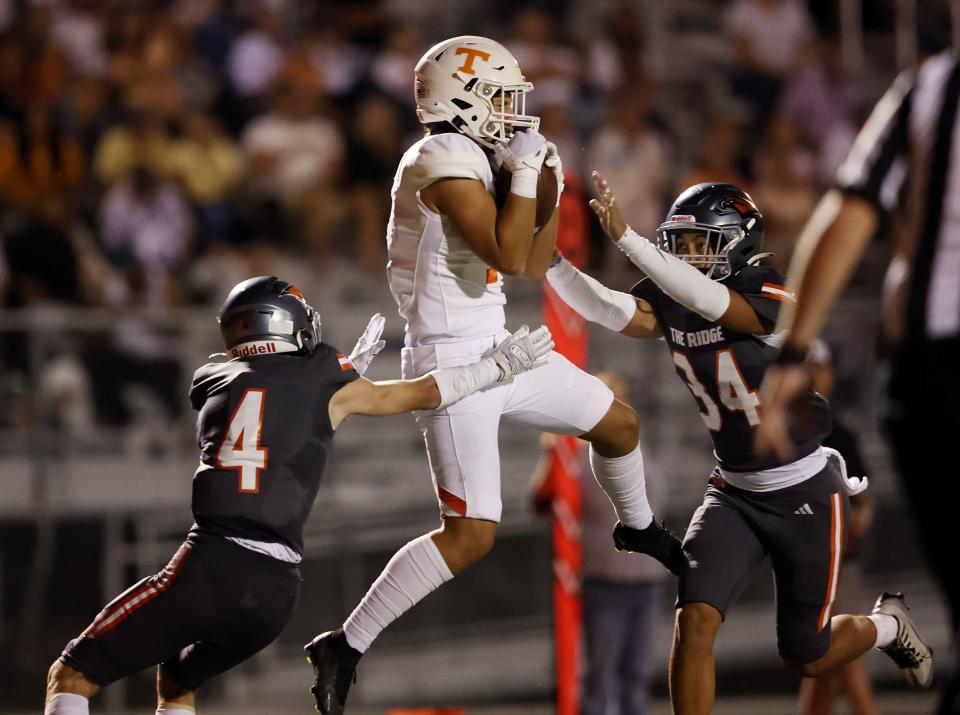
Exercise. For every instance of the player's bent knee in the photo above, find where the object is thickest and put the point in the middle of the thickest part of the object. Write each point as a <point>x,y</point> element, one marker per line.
<point>698,623</point>
<point>812,669</point>
<point>465,541</point>
<point>630,425</point>
<point>617,433</point>
<point>169,691</point>
<point>61,678</point>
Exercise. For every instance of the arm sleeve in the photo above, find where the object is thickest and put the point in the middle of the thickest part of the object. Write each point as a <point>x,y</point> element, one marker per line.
<point>678,279</point>
<point>590,298</point>
<point>877,163</point>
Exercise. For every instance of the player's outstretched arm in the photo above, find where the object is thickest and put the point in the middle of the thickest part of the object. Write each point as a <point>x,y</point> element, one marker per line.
<point>678,279</point>
<point>501,239</point>
<point>519,353</point>
<point>616,311</point>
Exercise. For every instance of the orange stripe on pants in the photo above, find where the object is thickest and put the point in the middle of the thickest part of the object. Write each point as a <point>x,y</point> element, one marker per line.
<point>836,552</point>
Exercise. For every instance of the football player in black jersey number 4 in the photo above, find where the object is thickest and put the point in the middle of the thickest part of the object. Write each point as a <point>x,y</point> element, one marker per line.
<point>716,307</point>
<point>265,427</point>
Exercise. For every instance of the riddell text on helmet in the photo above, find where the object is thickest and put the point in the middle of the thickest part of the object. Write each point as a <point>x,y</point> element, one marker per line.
<point>257,348</point>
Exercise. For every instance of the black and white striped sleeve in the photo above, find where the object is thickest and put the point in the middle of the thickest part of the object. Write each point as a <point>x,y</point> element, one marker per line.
<point>877,163</point>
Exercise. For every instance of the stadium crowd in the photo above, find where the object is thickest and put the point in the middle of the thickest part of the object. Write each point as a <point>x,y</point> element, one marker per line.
<point>153,153</point>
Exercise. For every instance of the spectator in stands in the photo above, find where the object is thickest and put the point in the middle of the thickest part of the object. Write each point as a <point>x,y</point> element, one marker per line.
<point>818,695</point>
<point>145,224</point>
<point>621,592</point>
<point>78,32</point>
<point>137,351</point>
<point>213,29</point>
<point>257,56</point>
<point>784,172</point>
<point>822,101</point>
<point>294,157</point>
<point>38,160</point>
<point>771,39</point>
<point>631,152</point>
<point>142,139</point>
<point>83,113</point>
<point>45,270</point>
<point>556,97</point>
<point>719,154</point>
<point>620,54</point>
<point>390,69</point>
<point>340,63</point>
<point>39,250</point>
<point>374,146</point>
<point>209,166</point>
<point>534,42</point>
<point>621,597</point>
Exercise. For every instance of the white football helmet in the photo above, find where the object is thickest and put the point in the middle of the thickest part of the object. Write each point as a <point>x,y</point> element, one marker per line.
<point>457,81</point>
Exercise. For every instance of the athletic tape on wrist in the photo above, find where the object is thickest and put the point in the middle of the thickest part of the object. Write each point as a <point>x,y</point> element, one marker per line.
<point>455,383</point>
<point>524,182</point>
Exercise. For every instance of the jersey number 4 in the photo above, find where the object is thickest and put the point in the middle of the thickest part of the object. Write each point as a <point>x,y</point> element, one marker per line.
<point>731,387</point>
<point>241,448</point>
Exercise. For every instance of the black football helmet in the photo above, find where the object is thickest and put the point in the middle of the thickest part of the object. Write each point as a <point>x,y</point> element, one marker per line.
<point>730,220</point>
<point>267,315</point>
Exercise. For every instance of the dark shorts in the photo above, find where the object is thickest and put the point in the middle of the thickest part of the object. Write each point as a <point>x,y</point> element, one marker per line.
<point>213,606</point>
<point>801,528</point>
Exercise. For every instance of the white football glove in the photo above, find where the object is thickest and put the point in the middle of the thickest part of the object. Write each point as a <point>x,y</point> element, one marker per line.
<point>368,345</point>
<point>523,157</point>
<point>553,162</point>
<point>522,351</point>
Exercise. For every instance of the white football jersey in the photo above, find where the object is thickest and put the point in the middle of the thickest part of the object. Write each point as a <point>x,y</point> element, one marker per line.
<point>443,290</point>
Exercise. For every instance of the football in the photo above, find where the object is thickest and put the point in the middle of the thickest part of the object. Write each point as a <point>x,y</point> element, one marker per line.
<point>546,194</point>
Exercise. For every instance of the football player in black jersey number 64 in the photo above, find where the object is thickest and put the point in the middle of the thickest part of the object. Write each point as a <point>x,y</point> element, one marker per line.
<point>716,307</point>
<point>265,426</point>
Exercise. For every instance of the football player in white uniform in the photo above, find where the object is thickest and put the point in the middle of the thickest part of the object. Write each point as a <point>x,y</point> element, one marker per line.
<point>449,247</point>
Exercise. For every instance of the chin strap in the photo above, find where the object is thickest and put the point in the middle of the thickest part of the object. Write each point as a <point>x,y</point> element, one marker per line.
<point>754,260</point>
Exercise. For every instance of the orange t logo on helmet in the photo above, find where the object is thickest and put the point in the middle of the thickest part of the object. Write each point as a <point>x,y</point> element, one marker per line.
<point>471,54</point>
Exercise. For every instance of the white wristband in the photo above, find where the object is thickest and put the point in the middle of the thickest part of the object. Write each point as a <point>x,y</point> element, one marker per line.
<point>524,182</point>
<point>678,279</point>
<point>590,298</point>
<point>455,383</point>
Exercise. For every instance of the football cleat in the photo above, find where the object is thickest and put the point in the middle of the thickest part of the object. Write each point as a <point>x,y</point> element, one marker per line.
<point>334,669</point>
<point>908,651</point>
<point>654,541</point>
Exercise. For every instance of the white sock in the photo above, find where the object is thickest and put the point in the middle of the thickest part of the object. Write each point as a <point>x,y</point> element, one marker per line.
<point>415,571</point>
<point>175,711</point>
<point>887,628</point>
<point>622,480</point>
<point>67,704</point>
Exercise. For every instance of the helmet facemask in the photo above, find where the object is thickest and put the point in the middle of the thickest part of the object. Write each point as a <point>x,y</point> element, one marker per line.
<point>712,257</point>
<point>511,115</point>
<point>307,338</point>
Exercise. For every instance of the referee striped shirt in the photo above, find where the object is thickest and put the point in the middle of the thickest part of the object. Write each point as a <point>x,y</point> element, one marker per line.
<point>907,159</point>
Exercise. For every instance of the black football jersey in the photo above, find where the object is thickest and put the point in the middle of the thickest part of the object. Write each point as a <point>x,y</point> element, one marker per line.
<point>264,434</point>
<point>724,369</point>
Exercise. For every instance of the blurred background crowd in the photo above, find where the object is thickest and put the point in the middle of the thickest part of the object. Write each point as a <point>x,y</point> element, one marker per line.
<point>155,152</point>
